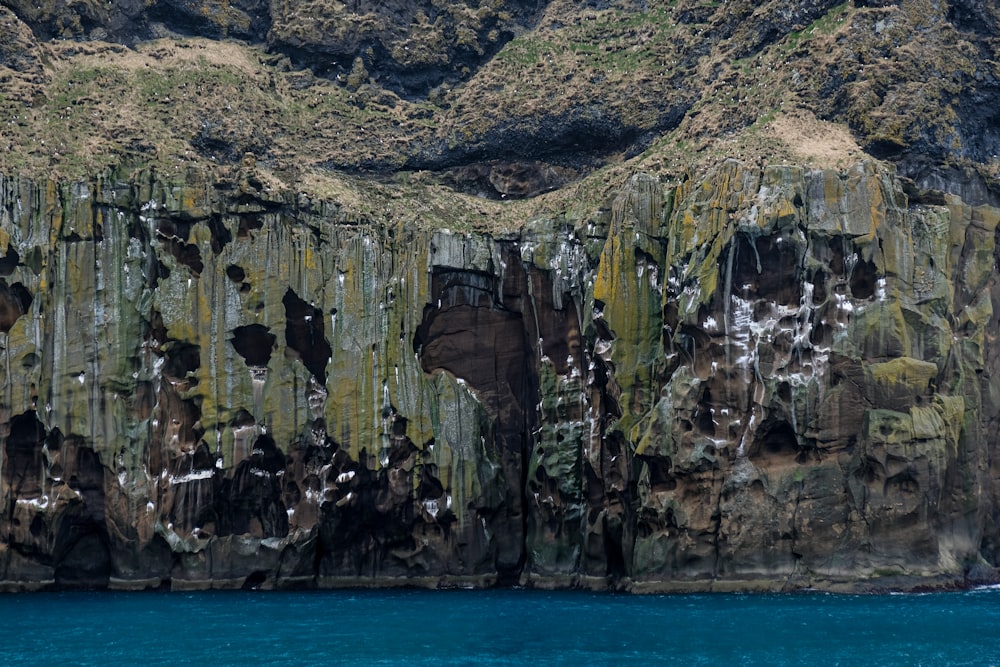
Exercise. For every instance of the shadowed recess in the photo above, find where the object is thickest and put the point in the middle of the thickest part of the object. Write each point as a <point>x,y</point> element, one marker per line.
<point>181,359</point>
<point>254,343</point>
<point>775,441</point>
<point>9,262</point>
<point>23,460</point>
<point>304,334</point>
<point>14,302</point>
<point>761,269</point>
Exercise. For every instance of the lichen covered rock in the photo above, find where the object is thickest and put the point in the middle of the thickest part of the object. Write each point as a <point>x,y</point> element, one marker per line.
<point>773,374</point>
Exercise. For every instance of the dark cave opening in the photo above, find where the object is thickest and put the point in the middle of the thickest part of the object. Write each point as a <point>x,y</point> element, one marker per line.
<point>304,334</point>
<point>255,343</point>
<point>14,302</point>
<point>864,279</point>
<point>9,262</point>
<point>765,268</point>
<point>181,359</point>
<point>775,441</point>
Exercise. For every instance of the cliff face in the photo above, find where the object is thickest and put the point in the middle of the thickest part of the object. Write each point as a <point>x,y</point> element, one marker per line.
<point>635,293</point>
<point>770,376</point>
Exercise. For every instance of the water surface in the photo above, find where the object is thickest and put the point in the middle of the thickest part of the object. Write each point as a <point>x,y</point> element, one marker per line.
<point>512,627</point>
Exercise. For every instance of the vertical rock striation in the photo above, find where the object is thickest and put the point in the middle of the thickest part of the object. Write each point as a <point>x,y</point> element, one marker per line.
<point>769,377</point>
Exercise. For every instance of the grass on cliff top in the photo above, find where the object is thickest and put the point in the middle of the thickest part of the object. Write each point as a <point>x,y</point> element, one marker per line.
<point>623,62</point>
<point>197,103</point>
<point>414,200</point>
<point>177,103</point>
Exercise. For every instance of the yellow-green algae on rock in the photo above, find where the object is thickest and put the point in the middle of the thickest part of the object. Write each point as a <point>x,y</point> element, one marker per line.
<point>772,376</point>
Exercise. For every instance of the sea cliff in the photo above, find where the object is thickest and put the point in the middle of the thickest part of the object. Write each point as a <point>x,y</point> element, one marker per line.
<point>765,377</point>
<point>647,295</point>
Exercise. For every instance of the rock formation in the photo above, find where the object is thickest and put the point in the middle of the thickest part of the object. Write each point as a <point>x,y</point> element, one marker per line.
<point>773,372</point>
<point>768,374</point>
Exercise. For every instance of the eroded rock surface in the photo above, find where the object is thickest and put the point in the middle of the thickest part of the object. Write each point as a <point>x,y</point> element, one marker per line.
<point>773,375</point>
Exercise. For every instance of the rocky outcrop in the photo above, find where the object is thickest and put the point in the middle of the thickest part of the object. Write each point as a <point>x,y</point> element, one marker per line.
<point>768,377</point>
<point>409,47</point>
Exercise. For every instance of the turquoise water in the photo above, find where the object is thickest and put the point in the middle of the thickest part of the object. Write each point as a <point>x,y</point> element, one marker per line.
<point>497,628</point>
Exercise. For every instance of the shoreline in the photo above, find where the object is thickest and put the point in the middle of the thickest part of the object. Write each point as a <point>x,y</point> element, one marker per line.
<point>879,585</point>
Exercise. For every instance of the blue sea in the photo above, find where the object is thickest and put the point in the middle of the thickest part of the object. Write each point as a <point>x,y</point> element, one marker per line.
<point>510,627</point>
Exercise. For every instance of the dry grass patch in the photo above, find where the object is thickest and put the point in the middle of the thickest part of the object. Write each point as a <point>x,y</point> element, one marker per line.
<point>814,142</point>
